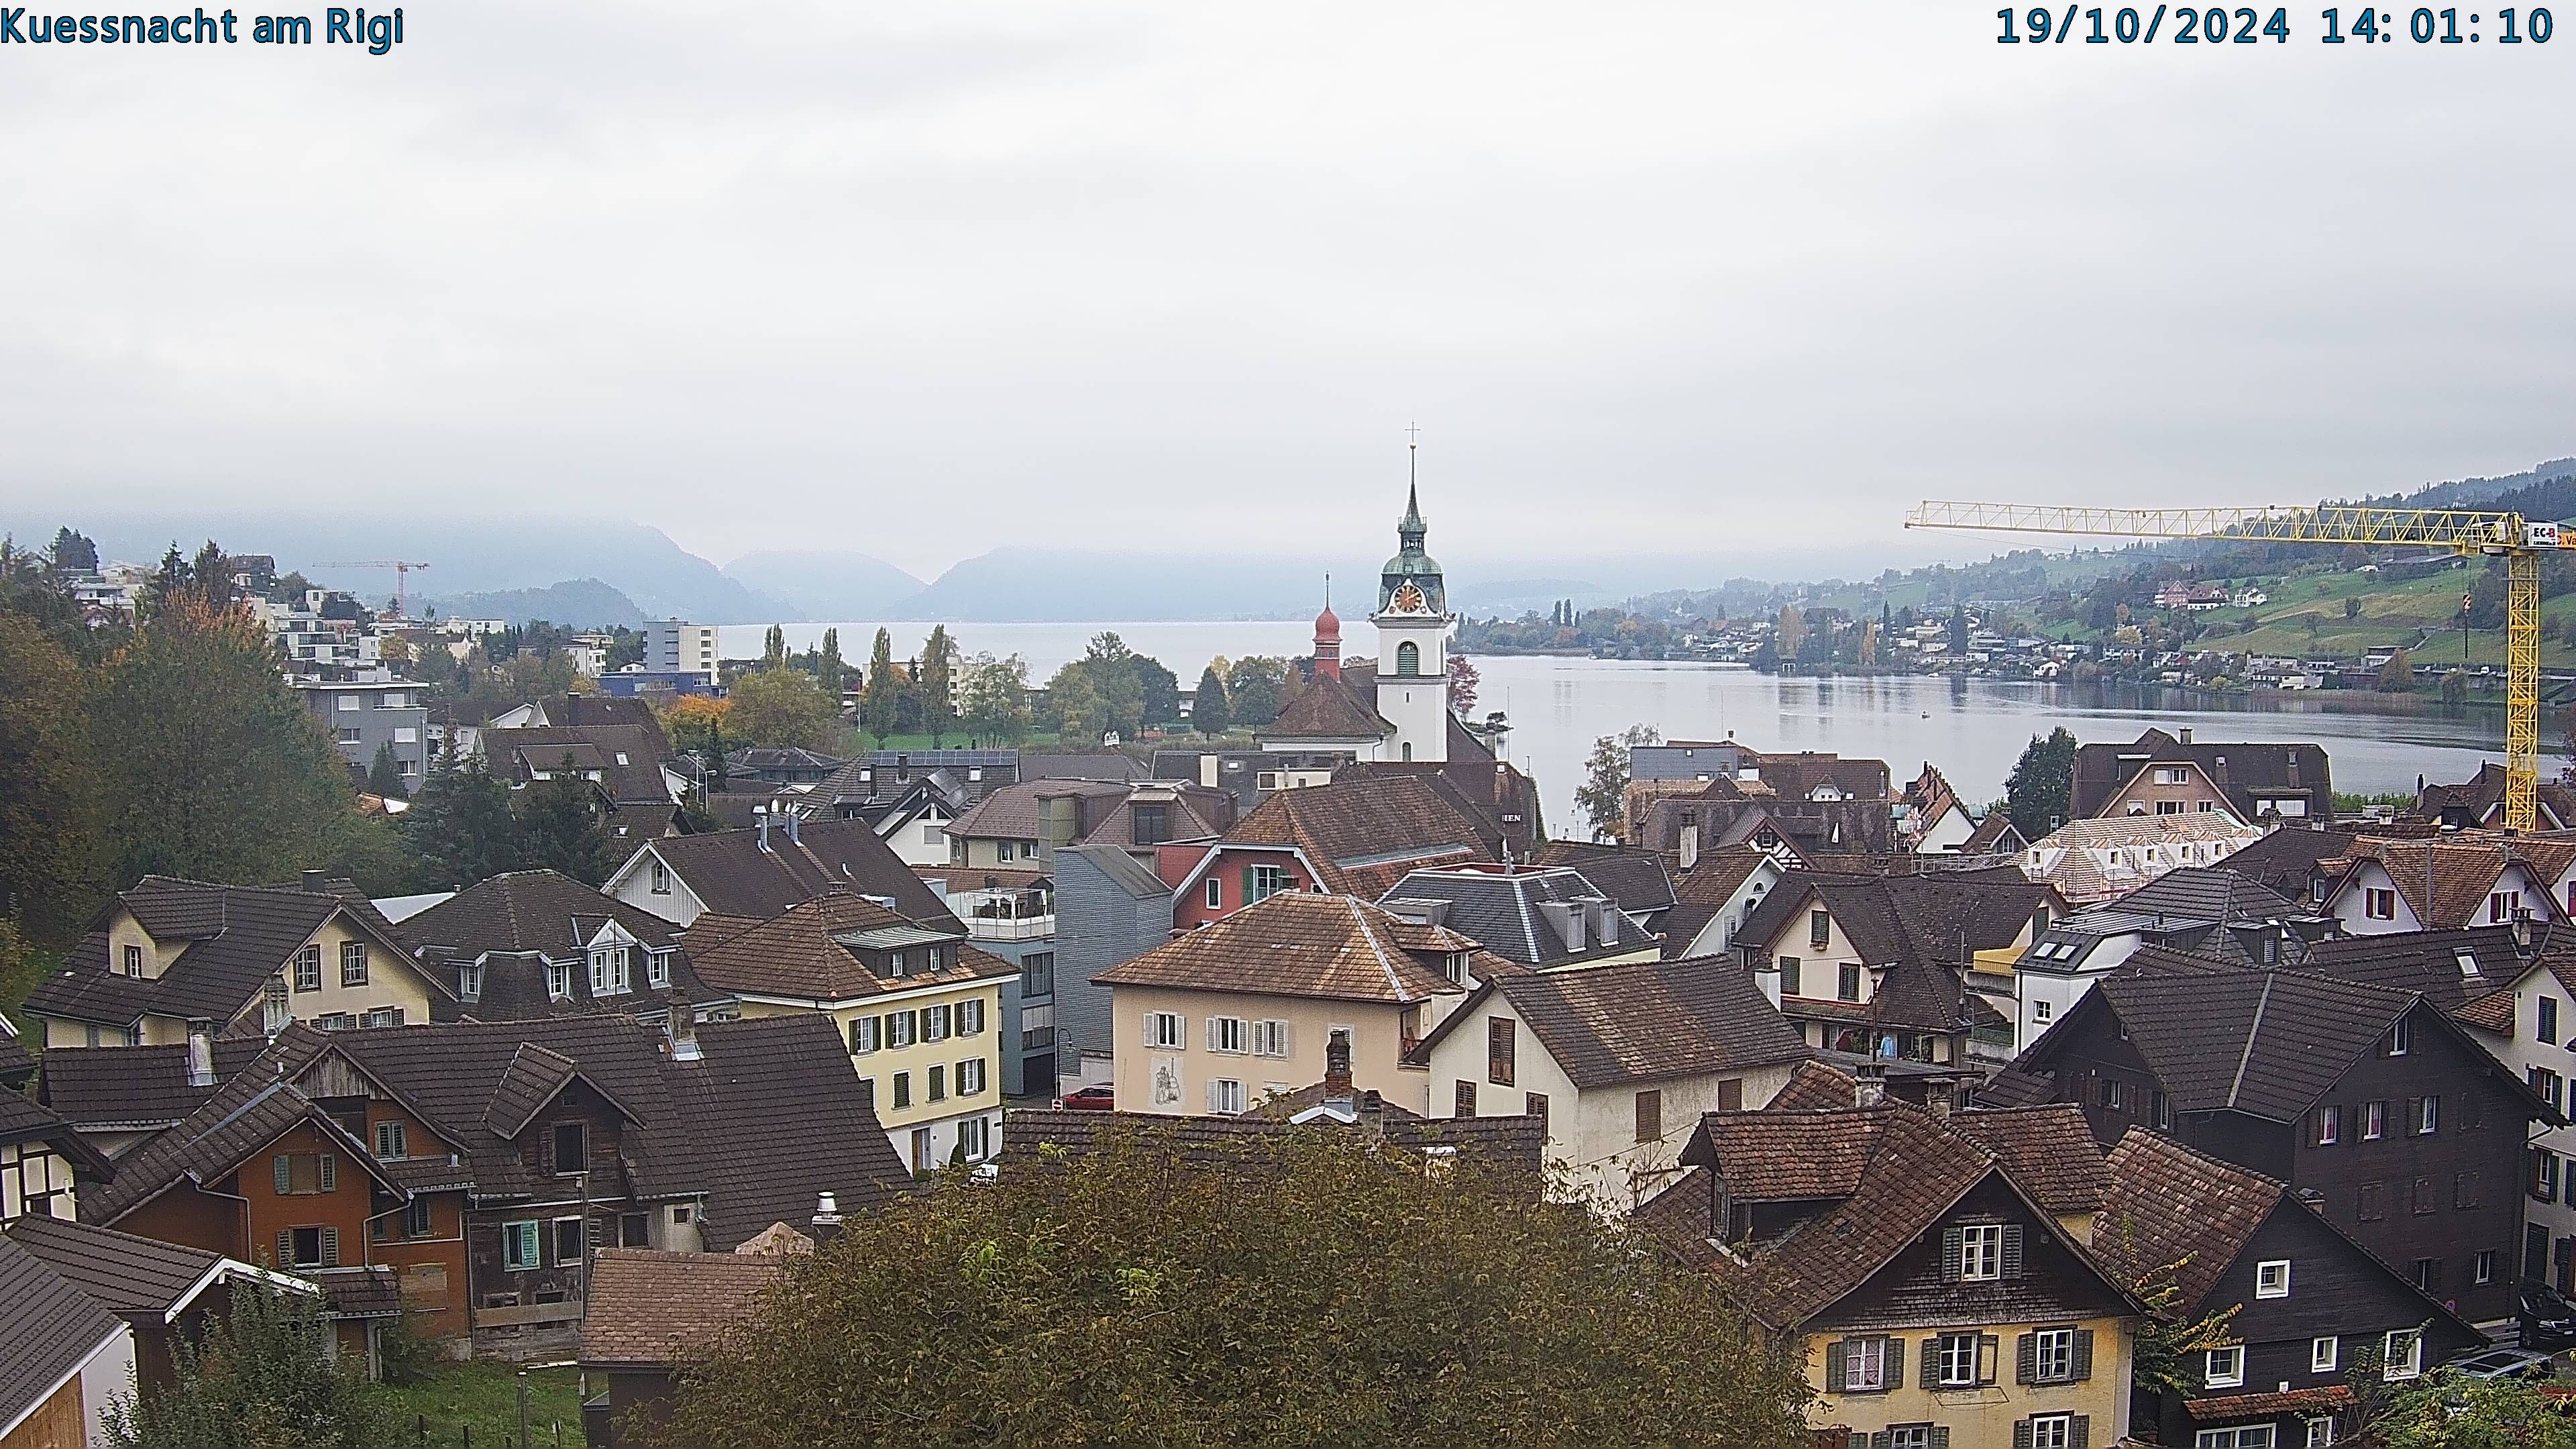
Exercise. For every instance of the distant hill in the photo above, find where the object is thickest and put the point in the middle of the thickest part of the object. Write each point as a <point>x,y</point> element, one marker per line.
<point>574,603</point>
<point>2482,492</point>
<point>1044,585</point>
<point>466,555</point>
<point>827,586</point>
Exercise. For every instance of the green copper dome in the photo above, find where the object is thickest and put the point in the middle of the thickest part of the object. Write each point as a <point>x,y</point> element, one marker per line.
<point>1411,565</point>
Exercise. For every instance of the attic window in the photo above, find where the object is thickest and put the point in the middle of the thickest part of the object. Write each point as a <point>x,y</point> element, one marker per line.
<point>621,757</point>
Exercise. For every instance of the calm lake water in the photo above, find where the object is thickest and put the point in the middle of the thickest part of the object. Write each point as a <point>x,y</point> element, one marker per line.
<point>1972,730</point>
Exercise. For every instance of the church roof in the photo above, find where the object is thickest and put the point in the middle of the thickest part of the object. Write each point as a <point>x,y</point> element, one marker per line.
<point>1329,710</point>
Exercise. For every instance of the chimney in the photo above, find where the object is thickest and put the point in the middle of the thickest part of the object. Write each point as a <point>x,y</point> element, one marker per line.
<point>1767,977</point>
<point>1869,1085</point>
<point>764,830</point>
<point>201,1053</point>
<point>1371,1114</point>
<point>2522,929</point>
<point>1337,1069</point>
<point>827,1213</point>
<point>794,821</point>
<point>318,882</point>
<point>2184,734</point>
<point>1690,846</point>
<point>684,1029</point>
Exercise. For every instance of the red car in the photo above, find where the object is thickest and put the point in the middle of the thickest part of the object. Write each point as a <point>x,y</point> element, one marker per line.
<point>1090,1099</point>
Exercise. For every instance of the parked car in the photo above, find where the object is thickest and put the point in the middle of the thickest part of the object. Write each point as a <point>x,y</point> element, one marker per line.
<point>2501,1363</point>
<point>1089,1099</point>
<point>2548,1318</point>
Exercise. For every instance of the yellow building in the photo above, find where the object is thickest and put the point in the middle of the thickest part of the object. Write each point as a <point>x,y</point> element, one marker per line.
<point>1937,1270</point>
<point>1217,1019</point>
<point>234,959</point>
<point>919,1010</point>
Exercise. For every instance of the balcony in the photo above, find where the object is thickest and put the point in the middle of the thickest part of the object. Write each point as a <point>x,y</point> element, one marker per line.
<point>1010,928</point>
<point>994,914</point>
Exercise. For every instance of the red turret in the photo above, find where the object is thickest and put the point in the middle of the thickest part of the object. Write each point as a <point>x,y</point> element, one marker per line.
<point>1328,643</point>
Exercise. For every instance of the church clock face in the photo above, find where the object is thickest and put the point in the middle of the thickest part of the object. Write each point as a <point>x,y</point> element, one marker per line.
<point>1408,599</point>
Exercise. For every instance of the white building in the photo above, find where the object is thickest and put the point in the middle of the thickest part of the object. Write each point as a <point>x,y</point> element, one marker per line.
<point>2090,861</point>
<point>672,646</point>
<point>1413,623</point>
<point>2531,1029</point>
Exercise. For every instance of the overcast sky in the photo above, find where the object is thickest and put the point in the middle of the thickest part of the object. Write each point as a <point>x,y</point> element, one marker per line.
<point>920,280</point>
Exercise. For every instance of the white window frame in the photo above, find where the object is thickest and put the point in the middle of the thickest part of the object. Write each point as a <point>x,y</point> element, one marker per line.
<point>609,971</point>
<point>517,1235</point>
<point>1226,1096</point>
<point>1981,1252</point>
<point>1947,1356</point>
<point>2052,1431</point>
<point>1865,1365</point>
<point>1909,1436</point>
<point>2324,1354</point>
<point>1215,894</point>
<point>469,982</point>
<point>2321,1431</point>
<point>558,981</point>
<point>1270,1038</point>
<point>2234,1376</point>
<point>1229,1035</point>
<point>661,883</point>
<point>2394,1369</point>
<point>970,1016</point>
<point>975,1137</point>
<point>2052,1359</point>
<point>353,954</point>
<point>1164,1030</point>
<point>308,967</point>
<point>934,1022</point>
<point>2241,1436</point>
<point>970,1077</point>
<point>866,1034</point>
<point>657,969</point>
<point>2272,1278</point>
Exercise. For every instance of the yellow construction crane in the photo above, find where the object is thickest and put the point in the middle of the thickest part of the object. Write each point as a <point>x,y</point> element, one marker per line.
<point>2460,530</point>
<point>402,577</point>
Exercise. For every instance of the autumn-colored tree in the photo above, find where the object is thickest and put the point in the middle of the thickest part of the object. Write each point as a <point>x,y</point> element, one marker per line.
<point>993,699</point>
<point>1789,632</point>
<point>1603,795</point>
<point>938,690</point>
<point>2397,675</point>
<point>692,718</point>
<point>1143,1295</point>
<point>1464,681</point>
<point>216,769</point>
<point>51,867</point>
<point>780,708</point>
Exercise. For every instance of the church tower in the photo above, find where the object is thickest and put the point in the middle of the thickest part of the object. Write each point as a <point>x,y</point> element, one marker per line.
<point>1413,624</point>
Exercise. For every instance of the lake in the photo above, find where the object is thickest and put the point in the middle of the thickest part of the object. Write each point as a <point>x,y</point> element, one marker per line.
<point>1972,730</point>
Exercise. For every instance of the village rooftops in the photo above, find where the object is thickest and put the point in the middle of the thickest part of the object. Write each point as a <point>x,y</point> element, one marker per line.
<point>1640,1021</point>
<point>836,947</point>
<point>1035,1137</point>
<point>543,916</point>
<point>1538,916</point>
<point>651,1309</point>
<point>1361,834</point>
<point>762,871</point>
<point>1301,944</point>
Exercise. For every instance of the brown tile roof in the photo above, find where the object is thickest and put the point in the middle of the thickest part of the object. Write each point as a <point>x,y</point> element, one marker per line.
<point>99,1088</point>
<point>2170,1205</point>
<point>1012,812</point>
<point>1287,1105</point>
<point>1362,833</point>
<point>357,1291</point>
<point>1920,928</point>
<point>2048,1150</point>
<point>1298,944</point>
<point>1644,1020</point>
<point>2492,1012</point>
<point>1328,710</point>
<point>244,1115</point>
<point>2230,1408</point>
<point>1512,1144</point>
<point>813,950</point>
<point>650,1309</point>
<point>1994,835</point>
<point>51,1328</point>
<point>2266,1043</point>
<point>2423,961</point>
<point>1813,1087</point>
<point>121,1272</point>
<point>1637,879</point>
<point>2242,771</point>
<point>628,759</point>
<point>544,911</point>
<point>1700,892</point>
<point>731,872</point>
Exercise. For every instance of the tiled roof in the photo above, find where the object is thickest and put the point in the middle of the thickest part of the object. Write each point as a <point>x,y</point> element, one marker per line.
<point>2267,1043</point>
<point>1012,812</point>
<point>244,1115</point>
<point>526,1085</point>
<point>1505,913</point>
<point>1328,710</point>
<point>806,951</point>
<point>1703,890</point>
<point>104,1087</point>
<point>2459,873</point>
<point>1080,765</point>
<point>2235,1408</point>
<point>2424,961</point>
<point>51,1329</point>
<point>357,1291</point>
<point>629,759</point>
<point>2208,893</point>
<point>121,1272</point>
<point>1994,835</point>
<point>2048,1151</point>
<point>1921,928</point>
<point>2170,1205</point>
<point>655,1309</point>
<point>2492,1012</point>
<point>2012,1088</point>
<point>2244,772</point>
<point>1636,879</point>
<point>1297,944</point>
<point>543,911</point>
<point>1513,1144</point>
<point>732,874</point>
<point>1645,1020</point>
<point>1287,1105</point>
<point>1362,833</point>
<point>1813,1087</point>
<point>2286,858</point>
<point>238,937</point>
<point>23,1120</point>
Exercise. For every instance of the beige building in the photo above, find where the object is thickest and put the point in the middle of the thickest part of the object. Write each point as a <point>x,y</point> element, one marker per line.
<point>919,1010</point>
<point>237,959</point>
<point>1618,1061</point>
<point>1219,1018</point>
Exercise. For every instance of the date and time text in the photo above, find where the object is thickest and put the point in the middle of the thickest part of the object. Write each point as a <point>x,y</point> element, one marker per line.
<point>2222,25</point>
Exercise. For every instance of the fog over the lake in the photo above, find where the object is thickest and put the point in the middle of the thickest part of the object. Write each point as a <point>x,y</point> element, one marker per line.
<point>1720,279</point>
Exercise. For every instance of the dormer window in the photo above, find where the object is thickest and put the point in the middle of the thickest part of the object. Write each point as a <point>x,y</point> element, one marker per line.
<point>469,983</point>
<point>1982,1252</point>
<point>895,964</point>
<point>608,972</point>
<point>657,969</point>
<point>558,981</point>
<point>133,960</point>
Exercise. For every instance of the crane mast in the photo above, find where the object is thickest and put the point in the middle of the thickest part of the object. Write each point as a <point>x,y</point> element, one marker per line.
<point>2464,531</point>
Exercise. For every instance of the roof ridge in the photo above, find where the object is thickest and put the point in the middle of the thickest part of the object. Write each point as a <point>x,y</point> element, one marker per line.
<point>2253,1029</point>
<point>1393,982</point>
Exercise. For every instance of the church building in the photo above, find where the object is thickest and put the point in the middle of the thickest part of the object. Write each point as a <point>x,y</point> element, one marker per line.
<point>1398,711</point>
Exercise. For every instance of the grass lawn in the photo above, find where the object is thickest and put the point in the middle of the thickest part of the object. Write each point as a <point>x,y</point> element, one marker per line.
<point>485,1396</point>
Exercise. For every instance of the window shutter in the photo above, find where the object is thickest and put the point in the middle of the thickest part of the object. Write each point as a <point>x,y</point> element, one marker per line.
<point>2080,1431</point>
<point>1954,1249</point>
<point>285,1170</point>
<point>1837,1376</point>
<point>1858,1440</point>
<point>1211,1096</point>
<point>2021,1434</point>
<point>326,1172</point>
<point>1895,1363</point>
<point>1882,1440</point>
<point>1940,1436</point>
<point>598,1231</point>
<point>2083,1354</point>
<point>1287,1038</point>
<point>330,1247</point>
<point>1211,1032</point>
<point>1987,1347</point>
<point>285,1245</point>
<point>1246,897</point>
<point>2012,1250</point>
<point>1148,1037</point>
<point>1931,1361</point>
<point>2026,1359</point>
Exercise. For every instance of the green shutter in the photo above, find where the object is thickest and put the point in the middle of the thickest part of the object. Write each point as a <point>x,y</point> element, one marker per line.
<point>1932,1361</point>
<point>326,1172</point>
<point>1836,1374</point>
<point>1895,1363</point>
<point>285,1245</point>
<point>330,1247</point>
<point>1954,1252</point>
<point>2012,1250</point>
<point>2083,1354</point>
<point>1246,897</point>
<point>2026,1359</point>
<point>284,1168</point>
<point>2021,1434</point>
<point>2080,1431</point>
<point>1940,1436</point>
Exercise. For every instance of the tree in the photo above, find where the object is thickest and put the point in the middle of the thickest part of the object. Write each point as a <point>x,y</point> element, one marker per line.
<point>2352,608</point>
<point>829,671</point>
<point>1159,690</point>
<point>2445,1411</point>
<point>1789,632</point>
<point>937,685</point>
<point>2040,792</point>
<point>1207,706</point>
<point>74,552</point>
<point>1253,689</point>
<point>384,774</point>
<point>780,708</point>
<point>559,826</point>
<point>461,829</point>
<point>260,1376</point>
<point>773,648</point>
<point>51,868</point>
<point>1603,795</point>
<point>993,699</point>
<point>1959,629</point>
<point>1464,681</point>
<point>1137,1295</point>
<point>2397,676</point>
<point>219,771</point>
<point>691,718</point>
<point>877,695</point>
<point>2455,687</point>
